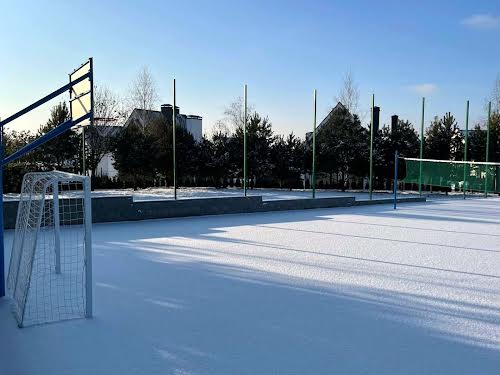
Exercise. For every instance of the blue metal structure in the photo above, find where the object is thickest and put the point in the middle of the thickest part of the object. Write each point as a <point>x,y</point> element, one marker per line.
<point>65,126</point>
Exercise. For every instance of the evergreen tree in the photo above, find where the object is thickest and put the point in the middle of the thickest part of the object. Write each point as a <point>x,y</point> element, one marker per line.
<point>444,140</point>
<point>287,159</point>
<point>342,147</point>
<point>477,144</point>
<point>64,151</point>
<point>259,140</point>
<point>404,139</point>
<point>159,133</point>
<point>132,153</point>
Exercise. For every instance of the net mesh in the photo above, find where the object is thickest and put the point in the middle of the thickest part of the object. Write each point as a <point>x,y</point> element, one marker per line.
<point>47,271</point>
<point>456,175</point>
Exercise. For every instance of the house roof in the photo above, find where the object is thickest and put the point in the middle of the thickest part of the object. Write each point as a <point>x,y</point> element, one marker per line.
<point>339,106</point>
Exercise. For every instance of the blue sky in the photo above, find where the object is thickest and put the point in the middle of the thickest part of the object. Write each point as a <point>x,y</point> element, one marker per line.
<point>399,50</point>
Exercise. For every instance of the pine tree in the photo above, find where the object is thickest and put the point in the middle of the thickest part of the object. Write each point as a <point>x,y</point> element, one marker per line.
<point>444,140</point>
<point>342,146</point>
<point>64,151</point>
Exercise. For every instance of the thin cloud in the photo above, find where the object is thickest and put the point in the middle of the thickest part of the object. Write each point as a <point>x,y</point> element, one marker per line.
<point>482,21</point>
<point>425,88</point>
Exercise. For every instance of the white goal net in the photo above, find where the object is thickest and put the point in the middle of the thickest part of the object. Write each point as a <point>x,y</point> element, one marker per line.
<point>50,271</point>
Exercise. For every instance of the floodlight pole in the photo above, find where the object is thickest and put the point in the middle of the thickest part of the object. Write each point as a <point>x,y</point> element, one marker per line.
<point>371,149</point>
<point>487,150</point>
<point>313,174</point>
<point>464,188</point>
<point>245,187</point>
<point>2,267</point>
<point>421,147</point>
<point>174,173</point>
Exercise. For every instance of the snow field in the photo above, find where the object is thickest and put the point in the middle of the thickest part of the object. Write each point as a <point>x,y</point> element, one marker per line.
<point>352,290</point>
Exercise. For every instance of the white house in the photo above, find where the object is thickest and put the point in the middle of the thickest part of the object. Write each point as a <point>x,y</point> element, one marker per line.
<point>192,123</point>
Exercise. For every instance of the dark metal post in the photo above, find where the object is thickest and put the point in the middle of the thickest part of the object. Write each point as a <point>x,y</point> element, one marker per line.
<point>313,174</point>
<point>396,158</point>
<point>371,147</point>
<point>174,173</point>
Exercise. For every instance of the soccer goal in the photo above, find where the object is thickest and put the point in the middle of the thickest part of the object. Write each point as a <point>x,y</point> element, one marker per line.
<point>50,271</point>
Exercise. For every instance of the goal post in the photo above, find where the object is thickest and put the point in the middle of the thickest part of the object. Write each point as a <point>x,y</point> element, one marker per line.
<point>81,92</point>
<point>50,269</point>
<point>465,176</point>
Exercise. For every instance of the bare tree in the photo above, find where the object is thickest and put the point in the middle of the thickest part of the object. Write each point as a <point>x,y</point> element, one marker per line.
<point>108,113</point>
<point>349,93</point>
<point>234,114</point>
<point>495,95</point>
<point>143,94</point>
<point>220,127</point>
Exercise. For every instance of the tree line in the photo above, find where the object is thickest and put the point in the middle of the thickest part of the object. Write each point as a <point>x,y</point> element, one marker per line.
<point>143,152</point>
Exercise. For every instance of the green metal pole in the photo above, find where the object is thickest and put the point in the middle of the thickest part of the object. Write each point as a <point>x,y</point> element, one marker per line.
<point>245,140</point>
<point>421,146</point>
<point>371,148</point>
<point>487,150</point>
<point>464,188</point>
<point>174,115</point>
<point>313,175</point>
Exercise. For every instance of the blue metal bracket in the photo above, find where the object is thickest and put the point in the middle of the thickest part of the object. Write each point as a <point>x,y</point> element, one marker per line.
<point>45,99</point>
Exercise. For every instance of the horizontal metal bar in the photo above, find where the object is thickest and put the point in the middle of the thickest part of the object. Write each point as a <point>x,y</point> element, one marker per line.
<point>79,96</point>
<point>43,139</point>
<point>45,99</point>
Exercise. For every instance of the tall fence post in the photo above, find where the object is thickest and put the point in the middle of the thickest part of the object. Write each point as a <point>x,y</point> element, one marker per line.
<point>174,117</point>
<point>464,187</point>
<point>421,147</point>
<point>371,148</point>
<point>245,177</point>
<point>313,174</point>
<point>487,151</point>
<point>396,159</point>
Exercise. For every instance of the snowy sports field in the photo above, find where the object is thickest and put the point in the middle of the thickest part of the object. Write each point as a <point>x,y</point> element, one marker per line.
<point>361,290</point>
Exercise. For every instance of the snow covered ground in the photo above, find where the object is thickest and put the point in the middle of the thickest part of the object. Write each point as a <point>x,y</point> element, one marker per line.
<point>150,194</point>
<point>360,290</point>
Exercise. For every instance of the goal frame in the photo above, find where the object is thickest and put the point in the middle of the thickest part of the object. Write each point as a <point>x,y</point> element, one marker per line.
<point>50,192</point>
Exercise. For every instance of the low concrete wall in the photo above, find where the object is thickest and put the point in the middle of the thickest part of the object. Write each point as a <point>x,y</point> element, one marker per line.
<point>389,201</point>
<point>109,209</point>
<point>308,203</point>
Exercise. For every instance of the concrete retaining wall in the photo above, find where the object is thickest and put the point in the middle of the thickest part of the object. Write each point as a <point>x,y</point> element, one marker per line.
<point>109,209</point>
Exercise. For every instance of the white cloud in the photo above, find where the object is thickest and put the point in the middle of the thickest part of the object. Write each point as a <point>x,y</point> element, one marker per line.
<point>482,21</point>
<point>425,88</point>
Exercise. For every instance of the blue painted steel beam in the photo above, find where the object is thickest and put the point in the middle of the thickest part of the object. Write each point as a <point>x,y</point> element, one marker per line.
<point>43,139</point>
<point>2,259</point>
<point>45,99</point>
